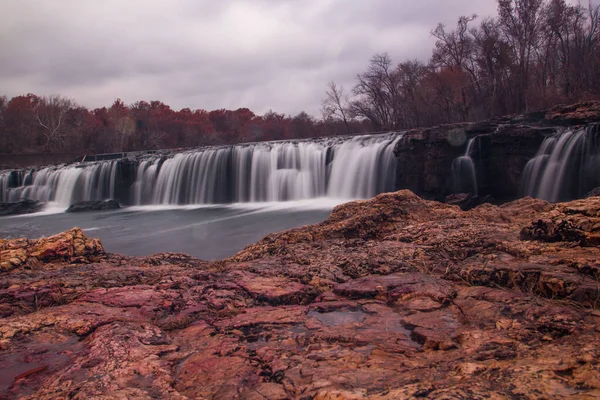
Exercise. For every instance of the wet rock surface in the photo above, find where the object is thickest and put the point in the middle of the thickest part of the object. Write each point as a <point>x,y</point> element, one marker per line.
<point>389,298</point>
<point>87,206</point>
<point>20,207</point>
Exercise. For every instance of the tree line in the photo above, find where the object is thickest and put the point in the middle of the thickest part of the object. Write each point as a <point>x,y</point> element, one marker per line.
<point>56,124</point>
<point>535,54</point>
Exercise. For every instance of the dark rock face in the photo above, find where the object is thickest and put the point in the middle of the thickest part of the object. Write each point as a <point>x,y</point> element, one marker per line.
<point>501,153</point>
<point>125,177</point>
<point>390,298</point>
<point>21,207</point>
<point>503,148</point>
<point>594,192</point>
<point>86,206</point>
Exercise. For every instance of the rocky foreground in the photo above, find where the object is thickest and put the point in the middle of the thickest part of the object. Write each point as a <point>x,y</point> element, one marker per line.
<point>390,298</point>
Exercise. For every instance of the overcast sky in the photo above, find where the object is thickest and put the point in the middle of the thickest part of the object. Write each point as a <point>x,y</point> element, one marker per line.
<point>210,54</point>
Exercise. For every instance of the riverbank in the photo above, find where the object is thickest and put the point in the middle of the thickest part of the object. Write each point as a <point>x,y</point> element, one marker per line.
<point>393,297</point>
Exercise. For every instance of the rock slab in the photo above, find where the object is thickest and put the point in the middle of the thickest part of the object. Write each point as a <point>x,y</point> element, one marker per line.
<point>87,206</point>
<point>390,298</point>
<point>21,207</point>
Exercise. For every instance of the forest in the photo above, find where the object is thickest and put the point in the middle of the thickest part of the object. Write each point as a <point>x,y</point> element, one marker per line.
<point>533,55</point>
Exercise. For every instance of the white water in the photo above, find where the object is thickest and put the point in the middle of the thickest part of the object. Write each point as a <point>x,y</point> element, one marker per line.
<point>61,185</point>
<point>349,168</point>
<point>463,171</point>
<point>566,166</point>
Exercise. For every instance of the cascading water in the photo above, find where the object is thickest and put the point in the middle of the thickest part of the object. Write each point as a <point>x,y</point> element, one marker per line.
<point>463,171</point>
<point>345,168</point>
<point>143,187</point>
<point>567,166</point>
<point>63,186</point>
<point>362,169</point>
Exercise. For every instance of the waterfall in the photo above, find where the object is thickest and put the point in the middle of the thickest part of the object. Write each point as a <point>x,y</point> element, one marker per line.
<point>344,168</point>
<point>361,169</point>
<point>463,171</point>
<point>4,186</point>
<point>566,166</point>
<point>143,186</point>
<point>62,185</point>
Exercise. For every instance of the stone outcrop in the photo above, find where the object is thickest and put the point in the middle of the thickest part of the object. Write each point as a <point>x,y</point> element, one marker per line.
<point>577,221</point>
<point>21,207</point>
<point>573,114</point>
<point>101,205</point>
<point>68,247</point>
<point>390,298</point>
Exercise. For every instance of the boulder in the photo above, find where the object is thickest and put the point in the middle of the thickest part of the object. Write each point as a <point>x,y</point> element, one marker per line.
<point>72,246</point>
<point>86,206</point>
<point>21,207</point>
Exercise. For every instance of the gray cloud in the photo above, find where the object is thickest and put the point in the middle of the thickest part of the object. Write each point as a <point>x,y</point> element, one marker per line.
<point>261,54</point>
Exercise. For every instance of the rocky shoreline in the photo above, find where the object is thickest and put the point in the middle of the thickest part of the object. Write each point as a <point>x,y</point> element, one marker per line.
<point>389,298</point>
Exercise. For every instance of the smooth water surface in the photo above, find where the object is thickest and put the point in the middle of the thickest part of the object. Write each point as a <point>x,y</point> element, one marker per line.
<point>209,232</point>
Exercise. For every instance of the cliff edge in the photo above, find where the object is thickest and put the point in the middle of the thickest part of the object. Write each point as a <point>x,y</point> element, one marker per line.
<point>503,147</point>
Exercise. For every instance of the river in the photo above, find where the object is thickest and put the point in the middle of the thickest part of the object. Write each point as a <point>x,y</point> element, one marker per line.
<point>209,232</point>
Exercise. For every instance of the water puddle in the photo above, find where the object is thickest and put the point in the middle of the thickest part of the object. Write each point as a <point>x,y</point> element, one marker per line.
<point>338,317</point>
<point>22,370</point>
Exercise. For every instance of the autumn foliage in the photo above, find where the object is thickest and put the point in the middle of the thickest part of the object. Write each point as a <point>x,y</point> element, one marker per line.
<point>33,124</point>
<point>535,54</point>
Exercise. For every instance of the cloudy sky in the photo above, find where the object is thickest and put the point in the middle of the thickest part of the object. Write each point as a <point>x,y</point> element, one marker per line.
<point>261,54</point>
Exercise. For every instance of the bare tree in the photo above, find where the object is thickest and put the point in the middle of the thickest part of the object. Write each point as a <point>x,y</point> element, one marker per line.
<point>411,101</point>
<point>4,137</point>
<point>51,114</point>
<point>377,91</point>
<point>494,63</point>
<point>455,49</point>
<point>122,123</point>
<point>587,47</point>
<point>335,104</point>
<point>521,21</point>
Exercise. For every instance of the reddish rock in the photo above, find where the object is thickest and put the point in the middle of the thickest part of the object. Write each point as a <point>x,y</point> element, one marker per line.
<point>398,287</point>
<point>390,298</point>
<point>71,246</point>
<point>276,290</point>
<point>576,222</point>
